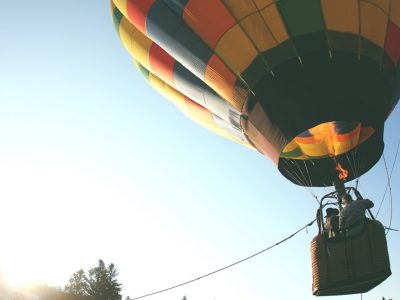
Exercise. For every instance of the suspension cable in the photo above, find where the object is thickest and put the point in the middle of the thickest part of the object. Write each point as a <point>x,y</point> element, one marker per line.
<point>308,173</point>
<point>295,171</point>
<point>390,196</point>
<point>389,177</point>
<point>300,179</point>
<point>228,266</point>
<point>292,173</point>
<point>352,164</point>
<point>357,182</point>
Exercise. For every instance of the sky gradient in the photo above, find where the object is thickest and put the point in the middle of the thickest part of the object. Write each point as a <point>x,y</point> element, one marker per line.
<point>95,164</point>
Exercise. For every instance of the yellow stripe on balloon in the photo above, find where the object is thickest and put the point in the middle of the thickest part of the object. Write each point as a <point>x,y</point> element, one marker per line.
<point>315,149</point>
<point>273,20</point>
<point>243,54</point>
<point>262,3</point>
<point>292,145</point>
<point>168,92</point>
<point>341,15</point>
<point>395,12</point>
<point>374,20</point>
<point>137,44</point>
<point>258,32</point>
<point>239,8</point>
<point>344,146</point>
<point>122,6</point>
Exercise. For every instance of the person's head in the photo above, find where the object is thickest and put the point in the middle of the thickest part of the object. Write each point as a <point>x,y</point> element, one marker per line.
<point>331,212</point>
<point>346,199</point>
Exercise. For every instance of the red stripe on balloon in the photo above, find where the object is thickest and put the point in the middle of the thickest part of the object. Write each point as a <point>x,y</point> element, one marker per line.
<point>162,63</point>
<point>393,42</point>
<point>137,12</point>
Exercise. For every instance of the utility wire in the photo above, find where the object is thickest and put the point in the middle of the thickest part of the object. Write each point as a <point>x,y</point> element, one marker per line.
<point>228,266</point>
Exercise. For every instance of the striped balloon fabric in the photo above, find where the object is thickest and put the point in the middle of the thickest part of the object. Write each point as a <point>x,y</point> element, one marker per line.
<point>308,83</point>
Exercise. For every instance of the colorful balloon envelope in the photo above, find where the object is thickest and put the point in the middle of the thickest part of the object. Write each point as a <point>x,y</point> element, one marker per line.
<point>308,83</point>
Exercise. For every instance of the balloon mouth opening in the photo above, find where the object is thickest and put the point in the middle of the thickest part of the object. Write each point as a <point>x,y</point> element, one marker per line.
<point>329,139</point>
<point>316,160</point>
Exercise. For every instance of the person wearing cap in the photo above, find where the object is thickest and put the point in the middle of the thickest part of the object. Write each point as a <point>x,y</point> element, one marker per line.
<point>331,225</point>
<point>352,215</point>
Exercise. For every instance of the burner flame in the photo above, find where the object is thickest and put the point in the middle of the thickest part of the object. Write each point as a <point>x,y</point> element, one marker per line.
<point>343,173</point>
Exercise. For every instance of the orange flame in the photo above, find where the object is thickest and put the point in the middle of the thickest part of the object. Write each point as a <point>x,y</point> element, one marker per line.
<point>343,173</point>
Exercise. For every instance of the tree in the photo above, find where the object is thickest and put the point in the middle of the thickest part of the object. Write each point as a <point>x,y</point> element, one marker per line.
<point>102,282</point>
<point>77,284</point>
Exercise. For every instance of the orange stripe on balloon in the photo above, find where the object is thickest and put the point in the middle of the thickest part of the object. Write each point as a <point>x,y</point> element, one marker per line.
<point>347,136</point>
<point>220,78</point>
<point>209,19</point>
<point>307,140</point>
<point>137,13</point>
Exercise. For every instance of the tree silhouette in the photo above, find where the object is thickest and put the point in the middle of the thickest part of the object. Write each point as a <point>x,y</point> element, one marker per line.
<point>77,284</point>
<point>102,282</point>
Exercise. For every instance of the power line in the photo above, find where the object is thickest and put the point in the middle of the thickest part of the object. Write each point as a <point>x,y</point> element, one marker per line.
<point>228,266</point>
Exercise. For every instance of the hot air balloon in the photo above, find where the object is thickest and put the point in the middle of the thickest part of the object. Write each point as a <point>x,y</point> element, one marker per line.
<point>307,83</point>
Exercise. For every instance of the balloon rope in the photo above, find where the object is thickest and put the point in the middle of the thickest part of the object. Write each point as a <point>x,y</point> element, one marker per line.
<point>231,265</point>
<point>357,168</point>
<point>292,171</point>
<point>304,178</point>
<point>352,164</point>
<point>310,190</point>
<point>390,195</point>
<point>300,181</point>
<point>308,173</point>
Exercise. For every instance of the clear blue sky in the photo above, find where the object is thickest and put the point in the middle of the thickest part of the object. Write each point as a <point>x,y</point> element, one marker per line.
<point>95,164</point>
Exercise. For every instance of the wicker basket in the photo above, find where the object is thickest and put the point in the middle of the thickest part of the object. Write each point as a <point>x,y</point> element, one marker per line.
<point>350,266</point>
